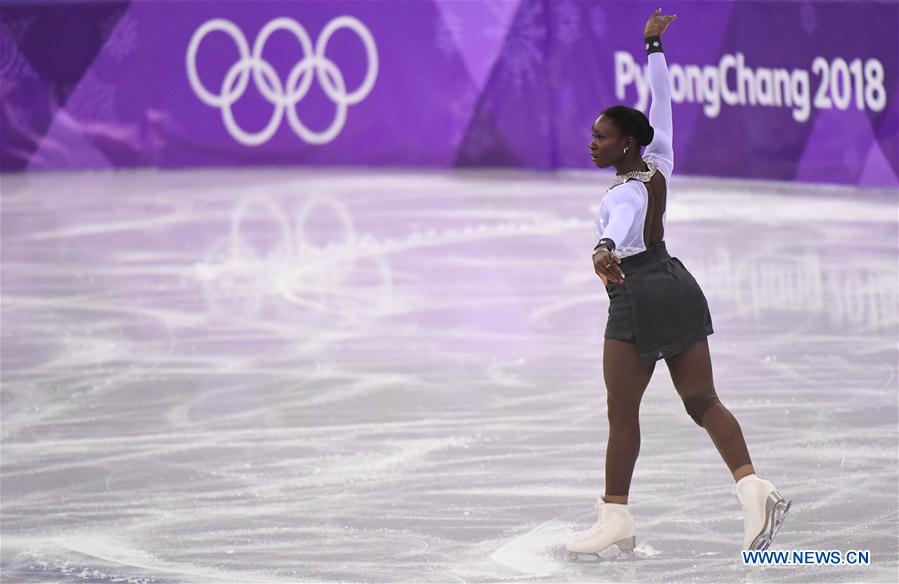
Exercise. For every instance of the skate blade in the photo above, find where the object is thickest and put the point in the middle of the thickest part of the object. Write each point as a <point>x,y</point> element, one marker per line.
<point>621,550</point>
<point>780,516</point>
<point>776,513</point>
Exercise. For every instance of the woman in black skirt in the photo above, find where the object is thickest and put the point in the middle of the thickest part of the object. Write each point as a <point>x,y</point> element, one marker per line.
<point>656,311</point>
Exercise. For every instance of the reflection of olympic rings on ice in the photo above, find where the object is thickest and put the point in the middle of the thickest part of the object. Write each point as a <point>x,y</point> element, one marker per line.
<point>239,273</point>
<point>348,277</point>
<point>284,96</point>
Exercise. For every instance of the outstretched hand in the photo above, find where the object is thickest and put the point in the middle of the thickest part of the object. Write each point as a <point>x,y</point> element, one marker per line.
<point>657,24</point>
<point>605,264</point>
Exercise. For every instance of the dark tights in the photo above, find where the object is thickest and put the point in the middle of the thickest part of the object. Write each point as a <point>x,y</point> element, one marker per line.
<point>626,379</point>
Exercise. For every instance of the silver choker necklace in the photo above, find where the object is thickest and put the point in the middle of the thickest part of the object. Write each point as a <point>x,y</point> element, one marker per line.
<point>640,175</point>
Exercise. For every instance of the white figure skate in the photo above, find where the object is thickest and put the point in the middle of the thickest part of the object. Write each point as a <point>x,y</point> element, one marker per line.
<point>764,511</point>
<point>614,526</point>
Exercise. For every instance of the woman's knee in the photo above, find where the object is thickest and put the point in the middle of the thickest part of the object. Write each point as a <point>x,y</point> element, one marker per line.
<point>698,404</point>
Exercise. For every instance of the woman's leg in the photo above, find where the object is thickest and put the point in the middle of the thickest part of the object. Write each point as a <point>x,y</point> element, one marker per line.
<point>626,379</point>
<point>691,372</point>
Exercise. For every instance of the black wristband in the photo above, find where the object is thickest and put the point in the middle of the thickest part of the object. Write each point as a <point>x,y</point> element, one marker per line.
<point>605,242</point>
<point>653,44</point>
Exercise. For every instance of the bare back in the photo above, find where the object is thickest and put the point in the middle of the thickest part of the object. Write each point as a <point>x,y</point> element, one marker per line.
<point>653,229</point>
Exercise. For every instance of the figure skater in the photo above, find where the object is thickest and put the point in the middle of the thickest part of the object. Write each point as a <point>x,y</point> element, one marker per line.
<point>656,310</point>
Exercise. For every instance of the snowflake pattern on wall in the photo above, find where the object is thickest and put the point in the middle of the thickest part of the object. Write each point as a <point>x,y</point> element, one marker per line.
<point>451,30</point>
<point>444,40</point>
<point>13,65</point>
<point>121,36</point>
<point>522,58</point>
<point>460,110</point>
<point>598,21</point>
<point>566,23</point>
<point>93,100</point>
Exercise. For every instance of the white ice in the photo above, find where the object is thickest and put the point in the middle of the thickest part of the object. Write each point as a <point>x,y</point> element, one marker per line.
<point>346,375</point>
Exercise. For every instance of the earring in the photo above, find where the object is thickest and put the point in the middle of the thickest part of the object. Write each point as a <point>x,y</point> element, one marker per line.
<point>625,150</point>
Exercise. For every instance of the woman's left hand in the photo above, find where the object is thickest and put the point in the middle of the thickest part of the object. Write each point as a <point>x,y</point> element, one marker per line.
<point>657,24</point>
<point>604,258</point>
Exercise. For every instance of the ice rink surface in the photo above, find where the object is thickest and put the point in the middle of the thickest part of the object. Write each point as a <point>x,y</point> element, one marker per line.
<point>326,376</point>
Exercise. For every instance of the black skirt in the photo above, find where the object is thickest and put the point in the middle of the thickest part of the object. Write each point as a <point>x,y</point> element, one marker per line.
<point>660,306</point>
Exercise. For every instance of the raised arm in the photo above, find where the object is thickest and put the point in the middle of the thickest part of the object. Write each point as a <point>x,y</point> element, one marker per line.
<point>660,149</point>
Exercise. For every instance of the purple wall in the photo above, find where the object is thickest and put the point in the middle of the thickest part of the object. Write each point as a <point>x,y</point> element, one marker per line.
<point>776,90</point>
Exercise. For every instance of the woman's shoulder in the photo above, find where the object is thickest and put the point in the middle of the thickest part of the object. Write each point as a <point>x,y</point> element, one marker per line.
<point>632,188</point>
<point>631,184</point>
<point>664,164</point>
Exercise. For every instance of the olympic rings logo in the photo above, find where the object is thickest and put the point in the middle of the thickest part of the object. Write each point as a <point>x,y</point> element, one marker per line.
<point>284,96</point>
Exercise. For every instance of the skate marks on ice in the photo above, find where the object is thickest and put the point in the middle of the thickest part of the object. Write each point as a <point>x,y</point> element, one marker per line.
<point>239,375</point>
<point>105,557</point>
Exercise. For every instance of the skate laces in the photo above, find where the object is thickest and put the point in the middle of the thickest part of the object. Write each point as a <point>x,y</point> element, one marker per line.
<point>597,527</point>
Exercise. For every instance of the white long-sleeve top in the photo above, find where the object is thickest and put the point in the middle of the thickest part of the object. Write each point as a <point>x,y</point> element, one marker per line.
<point>622,213</point>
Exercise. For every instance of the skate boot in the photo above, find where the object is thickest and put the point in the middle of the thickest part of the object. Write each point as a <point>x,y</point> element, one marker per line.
<point>614,526</point>
<point>764,510</point>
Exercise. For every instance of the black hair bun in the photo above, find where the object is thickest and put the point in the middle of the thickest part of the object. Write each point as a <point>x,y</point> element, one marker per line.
<point>647,136</point>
